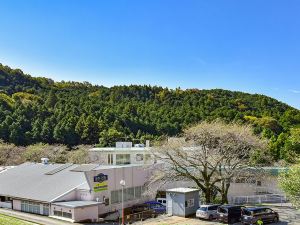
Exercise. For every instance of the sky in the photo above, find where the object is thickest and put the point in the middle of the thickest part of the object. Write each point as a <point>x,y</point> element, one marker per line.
<point>251,45</point>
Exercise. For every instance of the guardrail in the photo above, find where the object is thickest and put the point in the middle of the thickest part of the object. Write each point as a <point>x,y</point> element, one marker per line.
<point>257,199</point>
<point>140,216</point>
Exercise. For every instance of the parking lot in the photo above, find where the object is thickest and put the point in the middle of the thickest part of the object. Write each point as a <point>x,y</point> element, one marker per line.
<point>288,216</point>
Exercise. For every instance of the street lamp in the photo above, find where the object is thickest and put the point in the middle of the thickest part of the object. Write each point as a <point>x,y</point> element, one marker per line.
<point>122,182</point>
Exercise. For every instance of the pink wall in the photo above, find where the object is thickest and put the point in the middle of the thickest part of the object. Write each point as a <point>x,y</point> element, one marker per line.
<point>17,205</point>
<point>90,212</point>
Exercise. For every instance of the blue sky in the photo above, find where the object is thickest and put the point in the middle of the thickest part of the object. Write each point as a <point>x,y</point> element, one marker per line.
<point>251,45</point>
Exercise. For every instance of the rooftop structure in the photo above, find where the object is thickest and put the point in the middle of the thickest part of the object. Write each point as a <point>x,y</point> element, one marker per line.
<point>122,153</point>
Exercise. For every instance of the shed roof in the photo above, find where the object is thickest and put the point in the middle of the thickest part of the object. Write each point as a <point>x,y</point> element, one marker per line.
<point>77,204</point>
<point>182,190</point>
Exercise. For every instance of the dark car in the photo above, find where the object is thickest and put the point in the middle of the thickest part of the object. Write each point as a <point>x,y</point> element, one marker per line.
<point>252,215</point>
<point>157,207</point>
<point>139,208</point>
<point>229,213</point>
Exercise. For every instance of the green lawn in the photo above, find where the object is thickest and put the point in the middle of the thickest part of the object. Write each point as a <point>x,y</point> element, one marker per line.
<point>8,220</point>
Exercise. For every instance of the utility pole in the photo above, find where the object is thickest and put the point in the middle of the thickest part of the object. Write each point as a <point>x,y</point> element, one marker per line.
<point>122,182</point>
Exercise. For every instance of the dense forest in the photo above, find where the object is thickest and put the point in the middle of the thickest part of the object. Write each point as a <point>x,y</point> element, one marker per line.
<point>37,109</point>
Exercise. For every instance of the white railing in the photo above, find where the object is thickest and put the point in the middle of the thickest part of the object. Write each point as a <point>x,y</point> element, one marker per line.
<point>6,205</point>
<point>257,199</point>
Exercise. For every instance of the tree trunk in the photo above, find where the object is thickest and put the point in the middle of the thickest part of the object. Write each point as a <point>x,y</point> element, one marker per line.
<point>208,195</point>
<point>224,191</point>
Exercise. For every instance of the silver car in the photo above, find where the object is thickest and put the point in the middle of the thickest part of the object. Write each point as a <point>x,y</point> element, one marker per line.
<point>208,212</point>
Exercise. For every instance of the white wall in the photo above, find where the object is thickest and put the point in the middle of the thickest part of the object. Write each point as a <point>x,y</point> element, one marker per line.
<point>134,176</point>
<point>85,213</point>
<point>62,209</point>
<point>17,205</point>
<point>71,196</point>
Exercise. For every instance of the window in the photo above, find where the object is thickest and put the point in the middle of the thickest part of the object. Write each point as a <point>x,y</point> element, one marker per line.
<point>110,159</point>
<point>139,157</point>
<point>57,213</point>
<point>215,207</point>
<point>30,207</point>
<point>189,203</point>
<point>67,215</point>
<point>203,208</point>
<point>129,194</point>
<point>46,210</point>
<point>138,191</point>
<point>122,159</point>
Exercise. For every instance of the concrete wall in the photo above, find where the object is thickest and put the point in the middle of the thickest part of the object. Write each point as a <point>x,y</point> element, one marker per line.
<point>81,214</point>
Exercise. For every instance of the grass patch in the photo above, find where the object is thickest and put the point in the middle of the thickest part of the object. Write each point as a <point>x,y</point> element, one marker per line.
<point>5,220</point>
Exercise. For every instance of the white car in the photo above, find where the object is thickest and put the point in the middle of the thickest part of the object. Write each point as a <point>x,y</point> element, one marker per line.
<point>208,212</point>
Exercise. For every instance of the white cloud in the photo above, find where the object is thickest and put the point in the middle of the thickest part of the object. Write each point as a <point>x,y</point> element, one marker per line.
<point>294,91</point>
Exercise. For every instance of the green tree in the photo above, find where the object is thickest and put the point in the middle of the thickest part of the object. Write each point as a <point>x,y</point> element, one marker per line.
<point>289,181</point>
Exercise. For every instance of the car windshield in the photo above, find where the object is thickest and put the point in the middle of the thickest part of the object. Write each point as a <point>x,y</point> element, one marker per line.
<point>203,208</point>
<point>247,212</point>
<point>156,206</point>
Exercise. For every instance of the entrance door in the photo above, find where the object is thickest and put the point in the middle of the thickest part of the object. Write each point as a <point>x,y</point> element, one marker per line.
<point>170,207</point>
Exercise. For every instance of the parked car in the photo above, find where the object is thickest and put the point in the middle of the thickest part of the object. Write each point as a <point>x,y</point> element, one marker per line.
<point>156,207</point>
<point>139,208</point>
<point>229,213</point>
<point>252,215</point>
<point>208,212</point>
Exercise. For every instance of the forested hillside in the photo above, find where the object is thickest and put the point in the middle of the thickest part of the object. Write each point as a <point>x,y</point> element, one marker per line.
<point>34,110</point>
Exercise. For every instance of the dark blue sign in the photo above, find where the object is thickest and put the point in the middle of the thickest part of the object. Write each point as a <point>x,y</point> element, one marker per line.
<point>100,178</point>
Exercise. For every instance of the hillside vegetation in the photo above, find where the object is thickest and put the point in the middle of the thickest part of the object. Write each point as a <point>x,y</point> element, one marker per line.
<point>34,110</point>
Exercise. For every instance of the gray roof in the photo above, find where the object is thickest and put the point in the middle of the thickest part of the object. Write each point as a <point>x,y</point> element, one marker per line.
<point>102,167</point>
<point>85,167</point>
<point>182,190</point>
<point>30,181</point>
<point>76,204</point>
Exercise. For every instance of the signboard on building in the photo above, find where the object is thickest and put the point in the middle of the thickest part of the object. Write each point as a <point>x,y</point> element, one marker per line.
<point>101,182</point>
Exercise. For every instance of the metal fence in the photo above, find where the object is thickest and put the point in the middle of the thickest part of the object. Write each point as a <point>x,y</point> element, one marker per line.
<point>140,216</point>
<point>257,199</point>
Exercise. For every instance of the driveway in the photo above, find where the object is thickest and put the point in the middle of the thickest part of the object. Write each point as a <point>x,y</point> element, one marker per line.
<point>288,216</point>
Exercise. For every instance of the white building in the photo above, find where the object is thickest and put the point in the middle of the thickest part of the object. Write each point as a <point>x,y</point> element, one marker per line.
<point>71,192</point>
<point>123,153</point>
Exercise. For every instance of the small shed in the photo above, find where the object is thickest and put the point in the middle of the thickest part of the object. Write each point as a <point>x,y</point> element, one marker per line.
<point>182,201</point>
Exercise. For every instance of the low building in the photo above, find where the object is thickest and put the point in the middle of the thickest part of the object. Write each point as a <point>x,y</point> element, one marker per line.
<point>123,153</point>
<point>182,201</point>
<point>69,191</point>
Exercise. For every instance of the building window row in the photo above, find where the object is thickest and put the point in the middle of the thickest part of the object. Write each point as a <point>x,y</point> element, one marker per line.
<point>122,159</point>
<point>110,159</point>
<point>129,194</point>
<point>30,207</point>
<point>62,214</point>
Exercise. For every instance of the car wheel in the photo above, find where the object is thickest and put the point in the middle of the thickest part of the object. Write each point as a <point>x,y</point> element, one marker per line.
<point>275,220</point>
<point>210,217</point>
